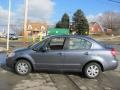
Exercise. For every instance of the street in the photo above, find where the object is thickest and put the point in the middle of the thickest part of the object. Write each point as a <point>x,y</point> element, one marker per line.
<point>109,80</point>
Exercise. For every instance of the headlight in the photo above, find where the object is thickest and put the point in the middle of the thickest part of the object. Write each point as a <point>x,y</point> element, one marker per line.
<point>11,54</point>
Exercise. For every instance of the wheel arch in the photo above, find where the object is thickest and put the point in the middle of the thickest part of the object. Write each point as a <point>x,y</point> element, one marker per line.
<point>94,61</point>
<point>23,58</point>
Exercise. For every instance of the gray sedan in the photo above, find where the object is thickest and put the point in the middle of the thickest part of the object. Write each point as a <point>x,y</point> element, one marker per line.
<point>64,53</point>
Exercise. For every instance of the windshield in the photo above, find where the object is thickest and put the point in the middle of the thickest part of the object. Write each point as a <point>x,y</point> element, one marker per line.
<point>37,45</point>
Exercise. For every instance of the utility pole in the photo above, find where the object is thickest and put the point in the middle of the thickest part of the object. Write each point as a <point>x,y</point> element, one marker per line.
<point>9,16</point>
<point>25,20</point>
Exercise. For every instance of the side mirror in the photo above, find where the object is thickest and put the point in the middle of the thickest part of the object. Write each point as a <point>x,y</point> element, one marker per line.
<point>44,49</point>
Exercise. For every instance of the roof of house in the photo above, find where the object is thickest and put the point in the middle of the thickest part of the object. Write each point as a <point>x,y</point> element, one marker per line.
<point>37,26</point>
<point>92,23</point>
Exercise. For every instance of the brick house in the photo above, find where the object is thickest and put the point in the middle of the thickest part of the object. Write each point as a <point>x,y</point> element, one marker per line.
<point>108,31</point>
<point>96,28</point>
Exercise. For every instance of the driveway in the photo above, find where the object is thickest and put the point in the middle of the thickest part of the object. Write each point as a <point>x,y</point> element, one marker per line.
<point>109,80</point>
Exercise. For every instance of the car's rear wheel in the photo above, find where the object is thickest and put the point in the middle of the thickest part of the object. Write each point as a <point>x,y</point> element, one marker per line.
<point>22,67</point>
<point>92,70</point>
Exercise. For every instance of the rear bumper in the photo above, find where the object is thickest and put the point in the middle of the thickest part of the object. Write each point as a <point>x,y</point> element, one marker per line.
<point>112,65</point>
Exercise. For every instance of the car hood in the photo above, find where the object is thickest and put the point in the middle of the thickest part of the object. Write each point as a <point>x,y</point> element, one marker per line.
<point>22,50</point>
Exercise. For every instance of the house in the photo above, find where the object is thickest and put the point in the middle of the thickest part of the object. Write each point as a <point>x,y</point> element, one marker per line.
<point>72,28</point>
<point>33,29</point>
<point>108,31</point>
<point>1,34</point>
<point>96,28</point>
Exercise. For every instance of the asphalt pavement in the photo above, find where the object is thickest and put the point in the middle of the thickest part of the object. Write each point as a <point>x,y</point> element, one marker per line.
<point>3,58</point>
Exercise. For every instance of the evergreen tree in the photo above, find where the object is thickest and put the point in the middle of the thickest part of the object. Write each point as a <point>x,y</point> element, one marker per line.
<point>64,22</point>
<point>80,23</point>
<point>58,25</point>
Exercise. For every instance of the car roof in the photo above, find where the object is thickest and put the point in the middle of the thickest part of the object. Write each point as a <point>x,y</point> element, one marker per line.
<point>66,35</point>
<point>74,36</point>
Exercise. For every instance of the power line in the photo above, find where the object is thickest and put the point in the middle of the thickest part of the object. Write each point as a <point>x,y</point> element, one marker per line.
<point>114,1</point>
<point>110,3</point>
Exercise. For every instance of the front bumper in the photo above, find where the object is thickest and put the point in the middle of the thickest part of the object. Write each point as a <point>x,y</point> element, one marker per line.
<point>10,62</point>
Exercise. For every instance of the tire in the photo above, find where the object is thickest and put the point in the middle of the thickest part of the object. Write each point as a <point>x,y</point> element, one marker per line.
<point>92,70</point>
<point>23,67</point>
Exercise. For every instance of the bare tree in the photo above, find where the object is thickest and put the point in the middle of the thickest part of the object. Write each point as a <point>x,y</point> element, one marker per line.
<point>110,20</point>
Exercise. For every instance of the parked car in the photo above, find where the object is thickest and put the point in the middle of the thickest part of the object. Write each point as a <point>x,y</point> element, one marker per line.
<point>64,53</point>
<point>13,37</point>
<point>3,36</point>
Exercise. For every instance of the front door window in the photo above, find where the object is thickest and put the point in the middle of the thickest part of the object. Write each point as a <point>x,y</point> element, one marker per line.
<point>56,44</point>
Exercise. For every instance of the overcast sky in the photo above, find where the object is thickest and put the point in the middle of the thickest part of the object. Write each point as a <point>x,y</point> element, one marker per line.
<point>50,11</point>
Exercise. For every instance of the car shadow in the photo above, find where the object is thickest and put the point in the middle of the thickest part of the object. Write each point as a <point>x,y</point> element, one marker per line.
<point>80,74</point>
<point>6,68</point>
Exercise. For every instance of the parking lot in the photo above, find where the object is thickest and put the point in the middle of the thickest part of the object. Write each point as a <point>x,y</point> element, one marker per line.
<point>59,45</point>
<point>57,80</point>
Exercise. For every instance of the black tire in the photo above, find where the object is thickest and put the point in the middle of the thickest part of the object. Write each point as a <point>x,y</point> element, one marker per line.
<point>90,73</point>
<point>26,69</point>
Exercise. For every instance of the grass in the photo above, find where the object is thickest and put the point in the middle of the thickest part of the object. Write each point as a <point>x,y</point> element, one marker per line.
<point>5,39</point>
<point>106,37</point>
<point>97,37</point>
<point>19,40</point>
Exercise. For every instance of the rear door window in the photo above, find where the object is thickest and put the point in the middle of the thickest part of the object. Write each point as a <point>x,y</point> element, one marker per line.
<point>78,44</point>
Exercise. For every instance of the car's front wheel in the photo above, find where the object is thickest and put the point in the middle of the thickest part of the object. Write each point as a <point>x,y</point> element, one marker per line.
<point>22,67</point>
<point>92,70</point>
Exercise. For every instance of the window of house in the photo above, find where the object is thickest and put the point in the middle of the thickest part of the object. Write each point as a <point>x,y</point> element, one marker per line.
<point>56,44</point>
<point>78,44</point>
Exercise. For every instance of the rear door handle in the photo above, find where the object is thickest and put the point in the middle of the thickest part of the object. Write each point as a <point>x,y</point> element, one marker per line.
<point>60,54</point>
<point>86,53</point>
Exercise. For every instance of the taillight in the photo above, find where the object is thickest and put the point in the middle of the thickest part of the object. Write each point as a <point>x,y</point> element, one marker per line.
<point>113,51</point>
